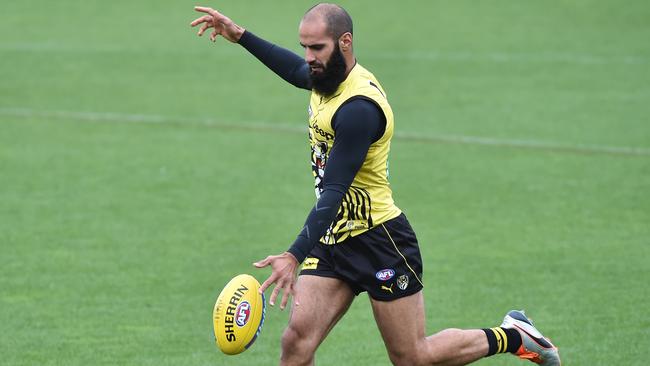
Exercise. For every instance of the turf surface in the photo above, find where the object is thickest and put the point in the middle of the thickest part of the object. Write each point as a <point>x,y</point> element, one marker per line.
<point>141,168</point>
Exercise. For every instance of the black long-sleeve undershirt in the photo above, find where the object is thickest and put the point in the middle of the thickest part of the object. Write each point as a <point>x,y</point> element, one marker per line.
<point>286,64</point>
<point>357,124</point>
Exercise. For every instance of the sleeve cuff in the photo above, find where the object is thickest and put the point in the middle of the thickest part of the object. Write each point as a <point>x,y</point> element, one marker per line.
<point>296,249</point>
<point>245,38</point>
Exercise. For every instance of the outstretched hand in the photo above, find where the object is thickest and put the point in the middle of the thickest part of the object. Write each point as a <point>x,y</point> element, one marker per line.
<point>221,24</point>
<point>283,274</point>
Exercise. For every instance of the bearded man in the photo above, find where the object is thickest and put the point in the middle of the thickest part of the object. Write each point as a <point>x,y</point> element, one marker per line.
<point>355,239</point>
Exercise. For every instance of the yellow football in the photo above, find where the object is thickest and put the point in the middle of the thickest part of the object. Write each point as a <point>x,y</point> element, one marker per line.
<point>238,315</point>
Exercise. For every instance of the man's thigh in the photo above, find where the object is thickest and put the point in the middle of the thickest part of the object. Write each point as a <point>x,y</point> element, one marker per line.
<point>322,302</point>
<point>401,322</point>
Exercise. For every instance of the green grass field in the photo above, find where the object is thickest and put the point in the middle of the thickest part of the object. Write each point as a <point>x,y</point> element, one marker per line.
<point>142,167</point>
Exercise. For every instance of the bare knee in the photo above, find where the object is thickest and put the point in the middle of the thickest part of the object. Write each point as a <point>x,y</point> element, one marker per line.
<point>404,359</point>
<point>429,351</point>
<point>408,355</point>
<point>297,347</point>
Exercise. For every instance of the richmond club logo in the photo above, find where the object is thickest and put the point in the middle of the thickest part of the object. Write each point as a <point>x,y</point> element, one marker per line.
<point>385,274</point>
<point>243,313</point>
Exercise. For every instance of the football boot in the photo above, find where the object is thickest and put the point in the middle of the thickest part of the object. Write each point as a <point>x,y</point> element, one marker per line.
<point>534,346</point>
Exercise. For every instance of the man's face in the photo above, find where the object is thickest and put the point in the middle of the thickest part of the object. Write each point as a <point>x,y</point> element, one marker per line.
<point>326,63</point>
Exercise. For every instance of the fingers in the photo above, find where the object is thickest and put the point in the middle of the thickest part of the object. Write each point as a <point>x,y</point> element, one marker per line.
<point>286,286</point>
<point>213,13</point>
<point>274,295</point>
<point>269,281</point>
<point>203,28</point>
<point>285,297</point>
<point>263,263</point>
<point>204,9</point>
<point>213,35</point>
<point>203,19</point>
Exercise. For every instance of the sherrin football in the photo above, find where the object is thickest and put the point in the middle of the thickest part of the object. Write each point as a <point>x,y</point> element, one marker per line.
<point>238,315</point>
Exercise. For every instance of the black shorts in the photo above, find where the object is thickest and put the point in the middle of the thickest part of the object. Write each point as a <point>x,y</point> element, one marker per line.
<point>384,261</point>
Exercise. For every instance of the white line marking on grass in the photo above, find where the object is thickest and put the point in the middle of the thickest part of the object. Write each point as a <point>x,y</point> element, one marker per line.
<point>528,144</point>
<point>283,127</point>
<point>511,57</point>
<point>409,54</point>
<point>148,119</point>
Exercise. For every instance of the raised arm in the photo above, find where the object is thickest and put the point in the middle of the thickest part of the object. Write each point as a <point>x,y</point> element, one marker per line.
<point>286,64</point>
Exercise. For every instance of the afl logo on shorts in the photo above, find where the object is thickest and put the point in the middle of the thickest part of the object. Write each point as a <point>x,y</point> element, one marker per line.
<point>243,313</point>
<point>385,274</point>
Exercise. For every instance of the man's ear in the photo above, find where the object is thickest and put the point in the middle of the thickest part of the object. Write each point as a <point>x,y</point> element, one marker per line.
<point>345,41</point>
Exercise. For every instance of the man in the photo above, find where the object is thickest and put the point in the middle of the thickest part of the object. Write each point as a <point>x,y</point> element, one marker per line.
<point>355,239</point>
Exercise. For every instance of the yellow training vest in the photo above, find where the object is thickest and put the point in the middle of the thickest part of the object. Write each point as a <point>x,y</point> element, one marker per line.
<point>369,201</point>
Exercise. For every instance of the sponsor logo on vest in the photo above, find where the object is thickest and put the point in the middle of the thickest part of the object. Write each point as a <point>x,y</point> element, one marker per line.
<point>242,313</point>
<point>232,312</point>
<point>321,132</point>
<point>385,274</point>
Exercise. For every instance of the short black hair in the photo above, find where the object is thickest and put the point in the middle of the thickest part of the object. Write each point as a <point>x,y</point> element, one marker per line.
<point>337,19</point>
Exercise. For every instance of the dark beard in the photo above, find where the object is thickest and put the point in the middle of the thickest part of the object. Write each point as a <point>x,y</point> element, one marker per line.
<point>326,82</point>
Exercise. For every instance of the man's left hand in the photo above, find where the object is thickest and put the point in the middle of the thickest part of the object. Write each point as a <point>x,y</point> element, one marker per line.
<point>283,274</point>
